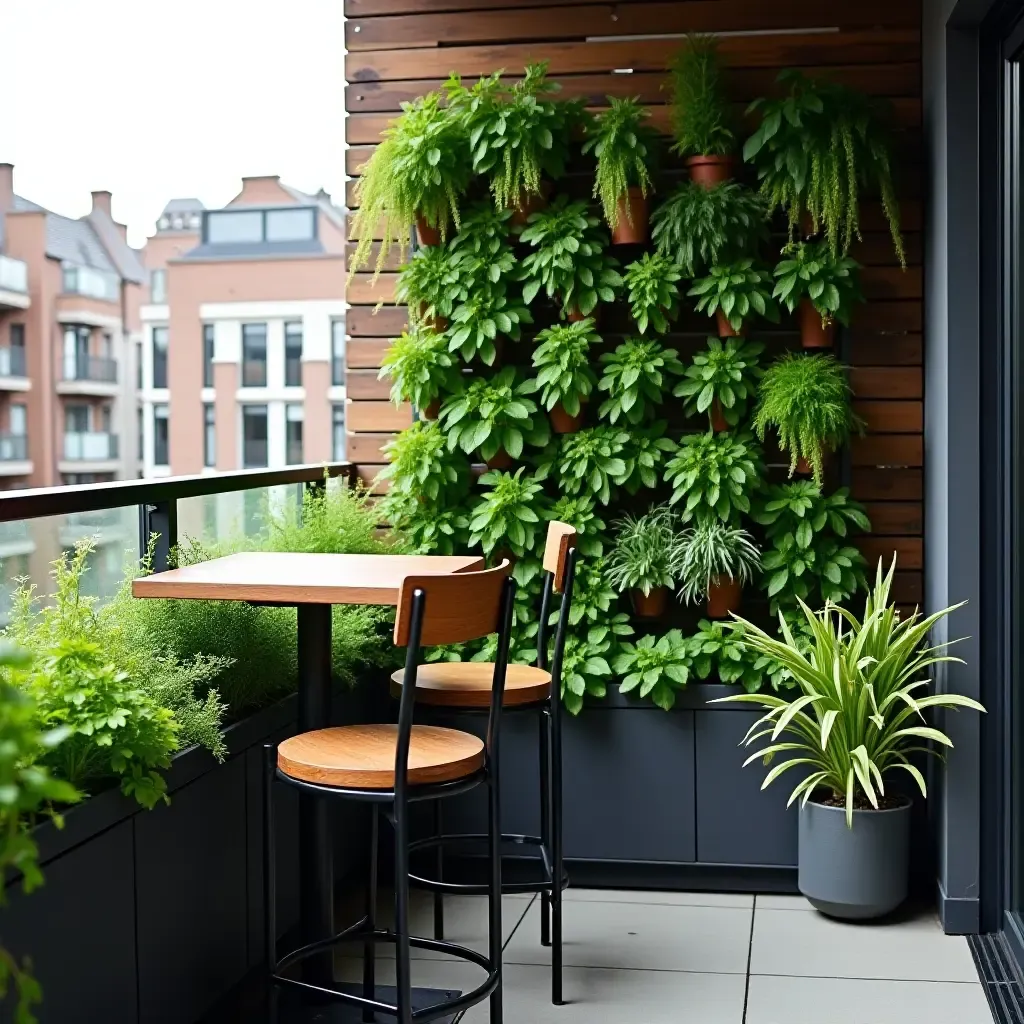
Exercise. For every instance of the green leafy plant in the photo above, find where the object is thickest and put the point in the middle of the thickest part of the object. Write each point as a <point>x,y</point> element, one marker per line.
<point>815,149</point>
<point>483,316</point>
<point>593,596</point>
<point>716,649</point>
<point>737,289</point>
<point>624,147</point>
<point>712,550</point>
<point>646,554</point>
<point>653,291</point>
<point>422,466</point>
<point>806,399</point>
<point>578,511</point>
<point>429,530</point>
<point>569,260</point>
<point>562,360</point>
<point>508,516</point>
<point>494,414</point>
<point>700,111</point>
<point>420,169</point>
<point>656,667</point>
<point>862,702</point>
<point>807,556</point>
<point>645,452</point>
<point>420,368</point>
<point>516,134</point>
<point>698,227</point>
<point>586,665</point>
<point>428,284</point>
<point>726,372</point>
<point>714,475</point>
<point>588,462</point>
<point>483,235</point>
<point>829,282</point>
<point>635,377</point>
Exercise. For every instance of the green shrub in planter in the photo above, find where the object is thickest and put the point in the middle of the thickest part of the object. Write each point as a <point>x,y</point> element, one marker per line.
<point>562,361</point>
<point>809,270</point>
<point>429,284</point>
<point>645,452</point>
<point>507,517</point>
<point>422,466</point>
<point>587,462</point>
<point>653,292</point>
<point>700,111</point>
<point>483,316</point>
<point>636,377</point>
<point>698,227</point>
<point>726,372</point>
<point>420,367</point>
<point>655,667</point>
<point>714,475</point>
<point>711,551</point>
<point>739,290</point>
<point>578,511</point>
<point>717,652</point>
<point>646,554</point>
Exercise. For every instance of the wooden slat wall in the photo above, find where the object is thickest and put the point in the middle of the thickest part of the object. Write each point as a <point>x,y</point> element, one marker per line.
<point>399,49</point>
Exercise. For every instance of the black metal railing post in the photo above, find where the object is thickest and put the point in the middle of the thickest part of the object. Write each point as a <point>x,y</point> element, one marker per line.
<point>159,519</point>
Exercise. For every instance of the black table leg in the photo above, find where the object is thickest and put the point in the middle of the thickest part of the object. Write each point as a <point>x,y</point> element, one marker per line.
<point>316,873</point>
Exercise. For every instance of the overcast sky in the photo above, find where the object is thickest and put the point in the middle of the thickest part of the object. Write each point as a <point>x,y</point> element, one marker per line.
<point>154,99</point>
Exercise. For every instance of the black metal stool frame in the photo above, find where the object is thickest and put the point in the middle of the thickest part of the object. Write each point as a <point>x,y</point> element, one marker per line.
<point>399,800</point>
<point>550,840</point>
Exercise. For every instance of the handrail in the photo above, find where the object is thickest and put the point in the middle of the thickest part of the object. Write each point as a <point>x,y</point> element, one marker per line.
<point>54,501</point>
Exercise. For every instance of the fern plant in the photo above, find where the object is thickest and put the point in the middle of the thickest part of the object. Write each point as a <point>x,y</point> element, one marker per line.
<point>700,112</point>
<point>714,475</point>
<point>829,282</point>
<point>806,399</point>
<point>420,170</point>
<point>561,358</point>
<point>726,372</point>
<point>487,313</point>
<point>636,377</point>
<point>712,550</point>
<point>588,462</point>
<point>738,290</point>
<point>507,516</point>
<point>653,292</point>
<point>420,368</point>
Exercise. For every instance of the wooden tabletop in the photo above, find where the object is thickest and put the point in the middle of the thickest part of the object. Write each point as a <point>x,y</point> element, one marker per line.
<point>299,578</point>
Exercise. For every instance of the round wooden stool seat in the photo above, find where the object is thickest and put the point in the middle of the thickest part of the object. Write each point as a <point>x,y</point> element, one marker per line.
<point>467,684</point>
<point>363,756</point>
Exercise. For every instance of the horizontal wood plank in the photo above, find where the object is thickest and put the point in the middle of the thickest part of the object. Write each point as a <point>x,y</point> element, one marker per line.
<point>364,449</point>
<point>889,417</point>
<point>387,322</point>
<point>896,518</point>
<point>365,353</point>
<point>364,385</point>
<point>886,349</point>
<point>375,417</point>
<point>889,450</point>
<point>872,483</point>
<point>887,382</point>
<point>909,551</point>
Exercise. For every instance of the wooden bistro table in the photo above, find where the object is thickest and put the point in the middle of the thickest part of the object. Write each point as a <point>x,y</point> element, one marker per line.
<point>312,583</point>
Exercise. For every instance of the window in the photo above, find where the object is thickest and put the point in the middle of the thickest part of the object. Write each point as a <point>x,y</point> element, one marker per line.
<point>138,366</point>
<point>16,353</point>
<point>18,419</point>
<point>97,284</point>
<point>293,354</point>
<point>76,419</point>
<point>17,335</point>
<point>207,355</point>
<point>160,335</point>
<point>161,438</point>
<point>338,433</point>
<point>105,417</point>
<point>254,355</point>
<point>234,226</point>
<point>158,286</point>
<point>107,345</point>
<point>209,435</point>
<point>140,426</point>
<point>293,434</point>
<point>254,436</point>
<point>76,352</point>
<point>337,352</point>
<point>290,225</point>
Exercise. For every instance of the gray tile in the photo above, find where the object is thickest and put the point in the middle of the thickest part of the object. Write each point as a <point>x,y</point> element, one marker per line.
<point>593,996</point>
<point>844,1001</point>
<point>812,945</point>
<point>771,901</point>
<point>675,899</point>
<point>641,936</point>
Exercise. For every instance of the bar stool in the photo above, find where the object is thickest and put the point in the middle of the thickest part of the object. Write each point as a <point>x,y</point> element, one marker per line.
<point>466,687</point>
<point>393,766</point>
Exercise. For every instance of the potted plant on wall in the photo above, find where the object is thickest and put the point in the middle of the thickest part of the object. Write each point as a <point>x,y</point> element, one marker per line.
<point>823,288</point>
<point>733,293</point>
<point>700,111</point>
<point>636,378</point>
<point>806,399</point>
<point>416,175</point>
<point>856,717</point>
<point>714,475</point>
<point>565,377</point>
<point>568,259</point>
<point>698,227</point>
<point>485,317</point>
<point>428,285</point>
<point>507,518</point>
<point>653,292</point>
<point>624,147</point>
<point>716,562</point>
<point>655,667</point>
<point>644,560</point>
<point>589,461</point>
<point>721,381</point>
<point>421,370</point>
<point>645,451</point>
<point>421,467</point>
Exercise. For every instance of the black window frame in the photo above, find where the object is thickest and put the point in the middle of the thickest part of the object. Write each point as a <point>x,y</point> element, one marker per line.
<point>159,359</point>
<point>262,240</point>
<point>209,334</point>
<point>246,361</point>
<point>338,421</point>
<point>165,443</point>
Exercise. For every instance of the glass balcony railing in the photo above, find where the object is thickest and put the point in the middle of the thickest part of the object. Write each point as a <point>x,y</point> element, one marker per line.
<point>90,447</point>
<point>98,369</point>
<point>92,283</point>
<point>12,361</point>
<point>13,274</point>
<point>13,447</point>
<point>14,532</point>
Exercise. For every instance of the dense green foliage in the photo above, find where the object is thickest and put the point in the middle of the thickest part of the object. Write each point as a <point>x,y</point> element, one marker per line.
<point>562,360</point>
<point>714,475</point>
<point>420,367</point>
<point>653,292</point>
<point>700,111</point>
<point>636,377</point>
<point>738,290</point>
<point>647,553</point>
<point>711,551</point>
<point>726,372</point>
<point>829,282</point>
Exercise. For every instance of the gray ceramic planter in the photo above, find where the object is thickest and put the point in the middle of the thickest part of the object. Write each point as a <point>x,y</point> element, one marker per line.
<point>856,873</point>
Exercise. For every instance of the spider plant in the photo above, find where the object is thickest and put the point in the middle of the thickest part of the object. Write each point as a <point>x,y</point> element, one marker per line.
<point>653,291</point>
<point>635,377</point>
<point>421,370</point>
<point>645,557</point>
<point>713,555</point>
<point>721,380</point>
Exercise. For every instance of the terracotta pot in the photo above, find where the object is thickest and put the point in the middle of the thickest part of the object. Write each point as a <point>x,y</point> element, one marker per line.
<point>807,225</point>
<point>724,597</point>
<point>718,420</point>
<point>574,316</point>
<point>650,606</point>
<point>725,329</point>
<point>709,171</point>
<point>804,467</point>
<point>631,227</point>
<point>499,460</point>
<point>529,203</point>
<point>431,409</point>
<point>813,334</point>
<point>562,422</point>
<point>426,234</point>
<point>439,324</point>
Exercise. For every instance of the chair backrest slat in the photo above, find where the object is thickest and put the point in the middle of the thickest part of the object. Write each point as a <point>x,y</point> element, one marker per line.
<point>561,537</point>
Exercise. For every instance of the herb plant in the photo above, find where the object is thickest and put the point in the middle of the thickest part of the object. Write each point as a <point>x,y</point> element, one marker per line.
<point>700,113</point>
<point>586,661</point>
<point>587,462</point>
<point>806,398</point>
<point>636,377</point>
<point>421,465</point>
<point>653,291</point>
<point>593,596</point>
<point>429,530</point>
<point>645,451</point>
<point>655,667</point>
<point>698,227</point>
<point>506,517</point>
<point>726,372</point>
<point>738,290</point>
<point>562,360</point>
<point>829,282</point>
<point>420,368</point>
<point>714,475</point>
<point>483,316</point>
<point>716,648</point>
<point>428,284</point>
<point>483,234</point>
<point>712,550</point>
<point>646,553</point>
<point>494,414</point>
<point>578,512</point>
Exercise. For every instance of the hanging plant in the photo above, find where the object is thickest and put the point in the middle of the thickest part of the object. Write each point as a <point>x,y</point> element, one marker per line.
<point>421,370</point>
<point>653,291</point>
<point>636,377</point>
<point>721,381</point>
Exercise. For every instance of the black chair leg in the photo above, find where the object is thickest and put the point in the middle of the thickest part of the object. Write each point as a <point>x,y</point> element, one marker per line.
<point>545,822</point>
<point>494,896</point>
<point>369,947</point>
<point>269,860</point>
<point>438,871</point>
<point>403,963</point>
<point>557,861</point>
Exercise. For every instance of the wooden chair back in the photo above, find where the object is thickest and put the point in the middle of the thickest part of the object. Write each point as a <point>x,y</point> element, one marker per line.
<point>561,538</point>
<point>460,606</point>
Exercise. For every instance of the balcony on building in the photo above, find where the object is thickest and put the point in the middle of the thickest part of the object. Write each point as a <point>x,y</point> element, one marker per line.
<point>86,374</point>
<point>90,452</point>
<point>89,296</point>
<point>13,283</point>
<point>14,460</point>
<point>13,369</point>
